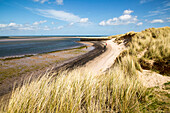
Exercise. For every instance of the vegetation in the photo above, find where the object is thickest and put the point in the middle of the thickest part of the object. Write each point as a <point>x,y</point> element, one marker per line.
<point>15,66</point>
<point>151,50</point>
<point>118,90</point>
<point>151,46</point>
<point>80,91</point>
<point>160,99</point>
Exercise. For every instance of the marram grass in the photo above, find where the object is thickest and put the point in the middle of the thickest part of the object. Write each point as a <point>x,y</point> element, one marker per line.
<point>79,91</point>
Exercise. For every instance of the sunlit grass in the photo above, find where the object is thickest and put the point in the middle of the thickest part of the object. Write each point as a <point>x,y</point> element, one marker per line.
<point>151,47</point>
<point>117,90</point>
<point>80,91</point>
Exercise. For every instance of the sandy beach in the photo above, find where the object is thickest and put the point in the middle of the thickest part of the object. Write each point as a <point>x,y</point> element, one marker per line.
<point>92,58</point>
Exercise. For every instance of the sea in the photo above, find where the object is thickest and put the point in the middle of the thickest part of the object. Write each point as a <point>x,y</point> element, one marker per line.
<point>32,47</point>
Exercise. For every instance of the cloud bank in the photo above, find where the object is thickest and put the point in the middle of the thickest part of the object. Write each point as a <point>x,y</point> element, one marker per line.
<point>15,26</point>
<point>124,19</point>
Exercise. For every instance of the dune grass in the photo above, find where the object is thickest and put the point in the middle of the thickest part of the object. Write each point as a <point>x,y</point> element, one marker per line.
<point>117,90</point>
<point>151,50</point>
<point>80,91</point>
<point>151,46</point>
<point>161,99</point>
<point>155,40</point>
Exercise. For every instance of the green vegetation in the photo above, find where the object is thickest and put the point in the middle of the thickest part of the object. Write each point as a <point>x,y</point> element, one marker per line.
<point>19,57</point>
<point>160,99</point>
<point>16,66</point>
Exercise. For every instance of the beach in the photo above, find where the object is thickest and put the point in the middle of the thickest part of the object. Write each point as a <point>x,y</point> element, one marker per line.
<point>16,70</point>
<point>66,72</point>
<point>91,56</point>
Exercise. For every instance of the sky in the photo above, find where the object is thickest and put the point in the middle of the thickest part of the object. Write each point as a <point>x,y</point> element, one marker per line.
<point>81,17</point>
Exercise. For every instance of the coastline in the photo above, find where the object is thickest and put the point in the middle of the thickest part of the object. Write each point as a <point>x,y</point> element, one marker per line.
<point>45,38</point>
<point>30,39</point>
<point>77,57</point>
<point>30,55</point>
<point>85,44</point>
<point>83,40</point>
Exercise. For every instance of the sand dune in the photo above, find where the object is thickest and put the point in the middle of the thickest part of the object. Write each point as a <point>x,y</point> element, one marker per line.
<point>105,60</point>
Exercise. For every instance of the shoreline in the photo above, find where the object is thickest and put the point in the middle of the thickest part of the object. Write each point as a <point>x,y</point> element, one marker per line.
<point>30,55</point>
<point>7,84</point>
<point>45,38</point>
<point>85,44</point>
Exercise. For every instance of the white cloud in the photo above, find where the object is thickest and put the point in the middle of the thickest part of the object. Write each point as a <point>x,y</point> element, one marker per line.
<point>60,27</point>
<point>102,23</point>
<point>124,19</point>
<point>144,1</point>
<point>157,21</point>
<point>14,26</point>
<point>3,25</point>
<point>127,12</point>
<point>10,25</point>
<point>84,20</point>
<point>140,23</point>
<point>59,15</point>
<point>52,23</point>
<point>41,1</point>
<point>59,2</point>
<point>72,23</point>
<point>27,27</point>
<point>40,22</point>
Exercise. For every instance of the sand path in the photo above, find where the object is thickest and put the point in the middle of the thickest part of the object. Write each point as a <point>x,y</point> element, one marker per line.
<point>105,60</point>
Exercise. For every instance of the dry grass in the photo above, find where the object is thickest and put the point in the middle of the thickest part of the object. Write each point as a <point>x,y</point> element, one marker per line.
<point>155,40</point>
<point>80,91</point>
<point>118,90</point>
<point>151,46</point>
<point>151,50</point>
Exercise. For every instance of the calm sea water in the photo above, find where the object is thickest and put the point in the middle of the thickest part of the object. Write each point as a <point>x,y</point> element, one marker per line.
<point>17,48</point>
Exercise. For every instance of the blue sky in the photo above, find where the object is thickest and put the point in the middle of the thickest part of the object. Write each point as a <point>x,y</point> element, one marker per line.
<point>81,17</point>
